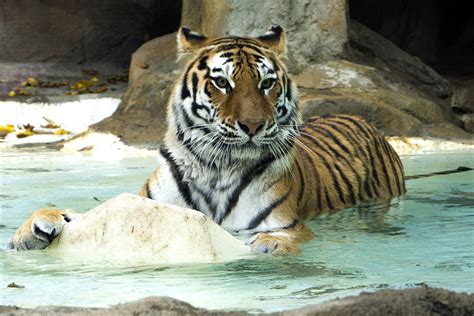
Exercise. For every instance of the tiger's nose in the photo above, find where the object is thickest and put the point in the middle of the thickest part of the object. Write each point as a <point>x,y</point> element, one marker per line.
<point>251,127</point>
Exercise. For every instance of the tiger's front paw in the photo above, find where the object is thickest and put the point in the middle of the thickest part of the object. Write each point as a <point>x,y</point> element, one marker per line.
<point>40,229</point>
<point>275,245</point>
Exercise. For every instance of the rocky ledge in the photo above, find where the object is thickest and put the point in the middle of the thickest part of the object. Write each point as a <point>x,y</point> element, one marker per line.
<point>415,301</point>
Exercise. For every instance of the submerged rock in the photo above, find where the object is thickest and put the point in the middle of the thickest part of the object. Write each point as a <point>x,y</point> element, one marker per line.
<point>130,229</point>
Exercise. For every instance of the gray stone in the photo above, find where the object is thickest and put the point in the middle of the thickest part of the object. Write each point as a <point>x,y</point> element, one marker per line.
<point>388,101</point>
<point>141,116</point>
<point>416,301</point>
<point>159,54</point>
<point>161,233</point>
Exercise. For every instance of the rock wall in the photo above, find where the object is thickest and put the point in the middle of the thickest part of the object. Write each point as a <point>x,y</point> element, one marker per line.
<point>441,33</point>
<point>340,66</point>
<point>83,31</point>
<point>316,29</point>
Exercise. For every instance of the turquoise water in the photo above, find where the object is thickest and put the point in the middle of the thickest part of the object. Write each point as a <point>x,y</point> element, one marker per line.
<point>426,237</point>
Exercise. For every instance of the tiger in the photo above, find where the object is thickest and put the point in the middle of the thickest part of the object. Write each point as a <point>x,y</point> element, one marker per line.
<point>237,150</point>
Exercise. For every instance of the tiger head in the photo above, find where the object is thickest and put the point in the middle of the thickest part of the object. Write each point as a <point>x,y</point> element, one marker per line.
<point>235,96</point>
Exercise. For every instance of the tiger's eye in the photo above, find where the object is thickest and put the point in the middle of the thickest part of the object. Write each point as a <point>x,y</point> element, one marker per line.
<point>266,83</point>
<point>221,82</point>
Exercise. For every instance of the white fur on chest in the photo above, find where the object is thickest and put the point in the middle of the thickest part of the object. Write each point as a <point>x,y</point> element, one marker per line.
<point>216,192</point>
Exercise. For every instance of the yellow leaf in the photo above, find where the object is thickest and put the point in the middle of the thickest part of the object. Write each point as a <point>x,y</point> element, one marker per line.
<point>7,128</point>
<point>32,82</point>
<point>61,132</point>
<point>11,93</point>
<point>71,93</point>
<point>94,80</point>
<point>101,89</point>
<point>24,134</point>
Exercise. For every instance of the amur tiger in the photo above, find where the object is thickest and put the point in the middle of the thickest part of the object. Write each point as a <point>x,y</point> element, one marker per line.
<point>237,151</point>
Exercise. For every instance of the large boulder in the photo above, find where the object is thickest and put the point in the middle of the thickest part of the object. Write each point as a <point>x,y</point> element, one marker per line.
<point>375,47</point>
<point>159,54</point>
<point>129,229</point>
<point>462,101</point>
<point>393,106</point>
<point>141,116</point>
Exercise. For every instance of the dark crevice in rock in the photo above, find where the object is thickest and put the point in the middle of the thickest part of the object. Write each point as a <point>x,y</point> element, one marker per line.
<point>441,33</point>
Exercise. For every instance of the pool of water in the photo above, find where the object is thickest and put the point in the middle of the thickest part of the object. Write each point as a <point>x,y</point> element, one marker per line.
<point>426,237</point>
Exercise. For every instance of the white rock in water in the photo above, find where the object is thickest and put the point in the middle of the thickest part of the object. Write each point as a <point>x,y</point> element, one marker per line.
<point>134,230</point>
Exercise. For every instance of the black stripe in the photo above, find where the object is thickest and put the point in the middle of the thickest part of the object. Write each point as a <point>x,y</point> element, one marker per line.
<point>398,177</point>
<point>357,123</point>
<point>328,199</point>
<point>302,184</point>
<point>263,214</point>
<point>226,55</point>
<point>185,93</point>
<point>357,150</point>
<point>374,172</point>
<point>207,199</point>
<point>246,179</point>
<point>319,189</point>
<point>195,108</point>
<point>147,190</point>
<point>290,226</point>
<point>326,164</point>
<point>194,81</point>
<point>384,166</point>
<point>289,93</point>
<point>183,187</point>
<point>350,187</point>
<point>202,63</point>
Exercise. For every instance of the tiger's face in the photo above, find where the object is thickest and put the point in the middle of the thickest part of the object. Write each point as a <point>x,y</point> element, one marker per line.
<point>235,97</point>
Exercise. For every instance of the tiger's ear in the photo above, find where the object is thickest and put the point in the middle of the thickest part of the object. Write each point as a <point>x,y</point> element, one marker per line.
<point>189,41</point>
<point>275,39</point>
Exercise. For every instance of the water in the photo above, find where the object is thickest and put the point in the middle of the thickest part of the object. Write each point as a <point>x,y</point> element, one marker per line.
<point>425,237</point>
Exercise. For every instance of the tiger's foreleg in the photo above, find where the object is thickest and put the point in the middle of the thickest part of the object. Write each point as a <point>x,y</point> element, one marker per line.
<point>281,241</point>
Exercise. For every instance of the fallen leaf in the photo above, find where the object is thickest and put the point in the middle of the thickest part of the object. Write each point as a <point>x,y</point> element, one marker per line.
<point>27,91</point>
<point>11,94</point>
<point>7,128</point>
<point>14,285</point>
<point>32,82</point>
<point>28,127</point>
<point>94,79</point>
<point>51,124</point>
<point>90,72</point>
<point>24,134</point>
<point>71,92</point>
<point>101,89</point>
<point>61,132</point>
<point>112,80</point>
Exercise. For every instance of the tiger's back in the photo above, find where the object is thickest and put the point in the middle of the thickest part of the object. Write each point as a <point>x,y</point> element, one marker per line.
<point>341,160</point>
